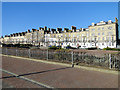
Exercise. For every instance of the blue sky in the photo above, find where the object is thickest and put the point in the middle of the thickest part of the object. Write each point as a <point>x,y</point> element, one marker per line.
<point>119,17</point>
<point>21,16</point>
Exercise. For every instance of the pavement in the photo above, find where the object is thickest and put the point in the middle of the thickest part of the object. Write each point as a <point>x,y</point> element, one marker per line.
<point>31,73</point>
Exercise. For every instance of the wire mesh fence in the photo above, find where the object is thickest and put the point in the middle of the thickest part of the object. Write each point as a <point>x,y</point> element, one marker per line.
<point>111,61</point>
<point>90,59</point>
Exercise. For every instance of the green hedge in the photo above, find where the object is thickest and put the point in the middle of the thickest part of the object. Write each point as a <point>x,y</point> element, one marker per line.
<point>113,49</point>
<point>92,48</point>
<point>18,45</point>
<point>53,47</point>
<point>56,47</point>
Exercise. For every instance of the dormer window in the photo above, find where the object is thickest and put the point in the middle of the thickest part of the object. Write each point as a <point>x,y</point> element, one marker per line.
<point>109,21</point>
<point>101,23</point>
<point>93,24</point>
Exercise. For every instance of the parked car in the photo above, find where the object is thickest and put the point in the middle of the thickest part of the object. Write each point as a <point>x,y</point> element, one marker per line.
<point>59,46</point>
<point>69,47</point>
<point>49,46</point>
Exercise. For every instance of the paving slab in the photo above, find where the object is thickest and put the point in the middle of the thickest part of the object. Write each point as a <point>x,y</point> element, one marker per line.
<point>59,76</point>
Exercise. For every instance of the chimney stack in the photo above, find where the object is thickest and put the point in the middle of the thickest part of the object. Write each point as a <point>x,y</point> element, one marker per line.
<point>45,28</point>
<point>59,30</point>
<point>73,28</point>
<point>34,30</point>
<point>28,31</point>
<point>66,29</point>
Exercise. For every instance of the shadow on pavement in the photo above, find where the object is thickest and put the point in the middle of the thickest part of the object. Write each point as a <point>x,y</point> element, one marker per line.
<point>35,73</point>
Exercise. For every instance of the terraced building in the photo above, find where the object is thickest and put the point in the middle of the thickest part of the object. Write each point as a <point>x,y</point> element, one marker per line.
<point>101,35</point>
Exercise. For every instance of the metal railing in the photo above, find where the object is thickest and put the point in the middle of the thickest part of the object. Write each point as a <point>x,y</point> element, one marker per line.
<point>111,61</point>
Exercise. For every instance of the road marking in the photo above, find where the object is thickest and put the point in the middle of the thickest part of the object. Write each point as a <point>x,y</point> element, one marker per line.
<point>63,64</point>
<point>27,79</point>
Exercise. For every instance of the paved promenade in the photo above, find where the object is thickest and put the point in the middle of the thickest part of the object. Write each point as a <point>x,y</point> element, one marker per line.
<point>22,73</point>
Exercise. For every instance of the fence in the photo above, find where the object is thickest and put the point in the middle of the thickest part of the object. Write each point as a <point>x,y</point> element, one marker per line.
<point>111,61</point>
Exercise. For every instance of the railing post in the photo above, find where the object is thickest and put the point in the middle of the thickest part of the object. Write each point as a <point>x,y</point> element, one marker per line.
<point>29,53</point>
<point>6,51</point>
<point>72,59</point>
<point>81,56</point>
<point>47,54</point>
<point>16,51</point>
<point>114,61</point>
<point>110,63</point>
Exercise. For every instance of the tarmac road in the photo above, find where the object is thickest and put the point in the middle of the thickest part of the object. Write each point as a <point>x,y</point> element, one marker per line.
<point>50,75</point>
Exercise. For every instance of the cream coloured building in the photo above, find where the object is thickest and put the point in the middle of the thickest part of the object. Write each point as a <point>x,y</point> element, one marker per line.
<point>35,37</point>
<point>100,35</point>
<point>104,34</point>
